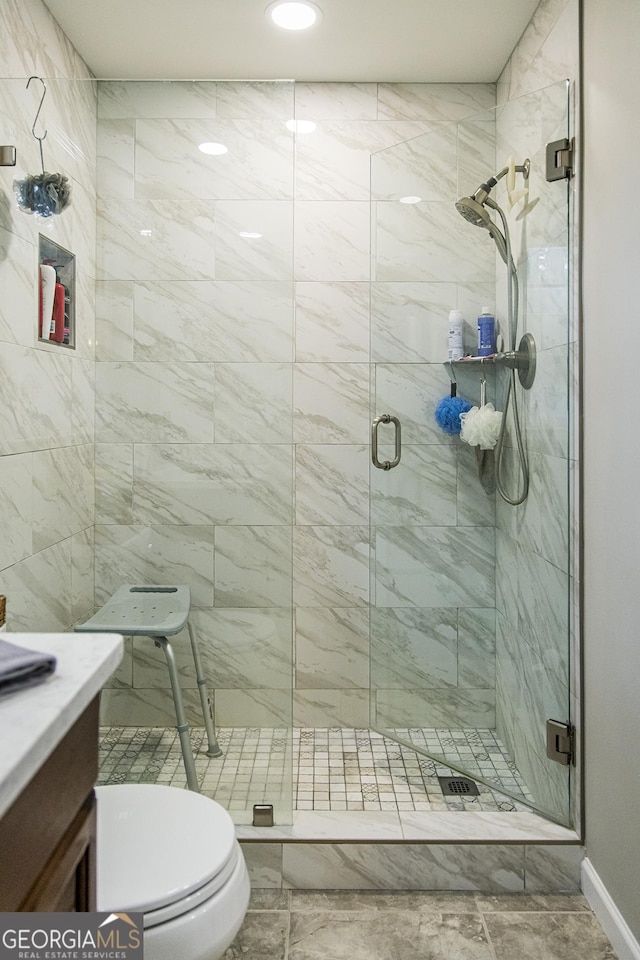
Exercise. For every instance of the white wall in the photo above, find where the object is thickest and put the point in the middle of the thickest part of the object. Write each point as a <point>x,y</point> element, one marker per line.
<point>612,449</point>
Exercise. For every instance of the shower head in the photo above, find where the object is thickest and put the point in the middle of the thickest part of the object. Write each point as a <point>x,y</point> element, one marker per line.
<point>475,212</point>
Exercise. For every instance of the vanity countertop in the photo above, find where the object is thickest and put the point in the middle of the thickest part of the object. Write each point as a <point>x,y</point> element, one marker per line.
<point>35,720</point>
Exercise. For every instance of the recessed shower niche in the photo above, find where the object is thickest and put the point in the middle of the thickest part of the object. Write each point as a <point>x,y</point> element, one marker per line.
<point>57,280</point>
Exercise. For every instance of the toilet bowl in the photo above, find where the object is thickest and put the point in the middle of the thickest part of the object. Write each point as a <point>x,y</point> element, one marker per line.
<point>173,856</point>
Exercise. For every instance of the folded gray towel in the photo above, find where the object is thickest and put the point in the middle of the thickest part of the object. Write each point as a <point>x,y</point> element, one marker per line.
<point>21,668</point>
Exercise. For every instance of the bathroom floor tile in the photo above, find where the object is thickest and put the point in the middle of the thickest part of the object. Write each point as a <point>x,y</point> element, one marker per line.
<point>349,935</point>
<point>534,903</point>
<point>548,936</point>
<point>263,936</point>
<point>269,900</point>
<point>411,925</point>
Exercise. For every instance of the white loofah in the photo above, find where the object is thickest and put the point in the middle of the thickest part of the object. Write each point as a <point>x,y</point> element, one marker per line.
<point>481,426</point>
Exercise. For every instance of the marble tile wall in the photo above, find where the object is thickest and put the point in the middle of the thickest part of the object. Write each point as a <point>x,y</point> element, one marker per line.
<point>496,868</point>
<point>433,584</point>
<point>536,542</point>
<point>46,429</point>
<point>233,384</point>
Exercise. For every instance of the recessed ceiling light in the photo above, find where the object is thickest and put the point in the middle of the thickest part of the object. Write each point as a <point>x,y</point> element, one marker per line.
<point>298,15</point>
<point>214,149</point>
<point>410,199</point>
<point>300,126</point>
<point>250,235</point>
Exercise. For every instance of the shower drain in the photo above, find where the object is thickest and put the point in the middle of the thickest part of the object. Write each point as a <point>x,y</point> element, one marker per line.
<point>458,786</point>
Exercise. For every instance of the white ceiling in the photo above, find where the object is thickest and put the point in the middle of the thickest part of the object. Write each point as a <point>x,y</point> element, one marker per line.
<point>357,40</point>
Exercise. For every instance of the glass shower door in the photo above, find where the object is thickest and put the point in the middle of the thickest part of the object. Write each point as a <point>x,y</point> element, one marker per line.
<point>469,630</point>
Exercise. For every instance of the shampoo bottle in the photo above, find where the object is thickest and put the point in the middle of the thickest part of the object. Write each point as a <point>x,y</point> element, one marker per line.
<point>456,335</point>
<point>486,333</point>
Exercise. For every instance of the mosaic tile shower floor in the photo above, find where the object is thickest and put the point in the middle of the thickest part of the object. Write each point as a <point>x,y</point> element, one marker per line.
<point>333,769</point>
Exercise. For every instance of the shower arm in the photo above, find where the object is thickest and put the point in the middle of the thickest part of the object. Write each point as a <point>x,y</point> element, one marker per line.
<point>485,189</point>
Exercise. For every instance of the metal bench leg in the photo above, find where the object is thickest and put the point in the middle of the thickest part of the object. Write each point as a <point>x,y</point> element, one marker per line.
<point>213,747</point>
<point>182,725</point>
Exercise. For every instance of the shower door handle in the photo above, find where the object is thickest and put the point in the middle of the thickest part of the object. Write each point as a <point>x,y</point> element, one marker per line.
<point>385,464</point>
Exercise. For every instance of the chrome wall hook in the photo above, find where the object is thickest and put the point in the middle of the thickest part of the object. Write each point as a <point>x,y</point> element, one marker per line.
<point>33,126</point>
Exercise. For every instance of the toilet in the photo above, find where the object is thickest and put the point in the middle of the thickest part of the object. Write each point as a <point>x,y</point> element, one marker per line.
<point>173,856</point>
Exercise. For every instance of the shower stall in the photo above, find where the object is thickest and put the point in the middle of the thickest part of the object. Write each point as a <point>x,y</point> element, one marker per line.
<point>365,631</point>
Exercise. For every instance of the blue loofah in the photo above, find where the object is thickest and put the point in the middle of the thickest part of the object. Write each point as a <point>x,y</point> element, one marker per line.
<point>448,414</point>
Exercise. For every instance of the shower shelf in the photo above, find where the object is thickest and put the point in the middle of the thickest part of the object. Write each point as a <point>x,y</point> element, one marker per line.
<point>523,360</point>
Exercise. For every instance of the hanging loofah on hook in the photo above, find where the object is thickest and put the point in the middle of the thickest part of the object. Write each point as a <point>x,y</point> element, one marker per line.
<point>45,194</point>
<point>481,425</point>
<point>449,411</point>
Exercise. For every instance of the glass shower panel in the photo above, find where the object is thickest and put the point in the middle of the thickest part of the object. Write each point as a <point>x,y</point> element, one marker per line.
<point>469,595</point>
<point>194,403</point>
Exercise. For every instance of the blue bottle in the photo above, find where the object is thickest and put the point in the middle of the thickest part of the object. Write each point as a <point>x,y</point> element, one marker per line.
<point>486,333</point>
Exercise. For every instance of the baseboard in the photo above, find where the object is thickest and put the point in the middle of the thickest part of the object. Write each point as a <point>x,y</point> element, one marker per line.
<point>612,921</point>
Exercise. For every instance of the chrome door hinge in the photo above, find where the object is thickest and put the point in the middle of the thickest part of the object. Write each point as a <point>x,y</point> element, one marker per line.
<point>560,742</point>
<point>560,155</point>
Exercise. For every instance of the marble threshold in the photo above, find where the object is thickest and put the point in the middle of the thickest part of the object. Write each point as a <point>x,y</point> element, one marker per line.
<point>372,826</point>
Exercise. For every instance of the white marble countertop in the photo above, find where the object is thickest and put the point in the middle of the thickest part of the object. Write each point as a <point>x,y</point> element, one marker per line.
<point>34,721</point>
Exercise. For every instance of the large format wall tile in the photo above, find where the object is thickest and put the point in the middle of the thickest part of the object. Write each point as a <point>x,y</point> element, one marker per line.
<point>116,159</point>
<point>336,101</point>
<point>114,483</point>
<point>82,575</point>
<point>154,402</point>
<point>424,167</point>
<point>332,321</point>
<point>128,98</point>
<point>18,307</point>
<point>409,321</point>
<point>229,321</point>
<point>411,392</point>
<point>429,566</point>
<point>332,483</point>
<point>156,555</point>
<point>332,647</point>
<point>39,591</point>
<point>332,240</point>
<point>427,241</point>
<point>16,480</point>
<point>414,648</point>
<point>433,707</point>
<point>420,490</point>
<point>114,320</point>
<point>40,417</point>
<point>404,867</point>
<point>231,483</point>
<point>253,567</point>
<point>156,240</point>
<point>330,566</point>
<point>257,165</point>
<point>435,102</point>
<point>254,239</point>
<point>253,403</point>
<point>331,708</point>
<point>274,100</point>
<point>63,494</point>
<point>331,403</point>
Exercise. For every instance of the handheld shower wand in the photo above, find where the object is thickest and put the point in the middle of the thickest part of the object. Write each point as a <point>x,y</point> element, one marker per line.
<point>473,209</point>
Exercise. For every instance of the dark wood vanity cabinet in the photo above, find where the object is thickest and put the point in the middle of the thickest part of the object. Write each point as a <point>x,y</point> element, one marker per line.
<point>47,837</point>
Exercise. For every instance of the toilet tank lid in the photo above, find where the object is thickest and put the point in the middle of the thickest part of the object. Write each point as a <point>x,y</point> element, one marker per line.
<point>157,845</point>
